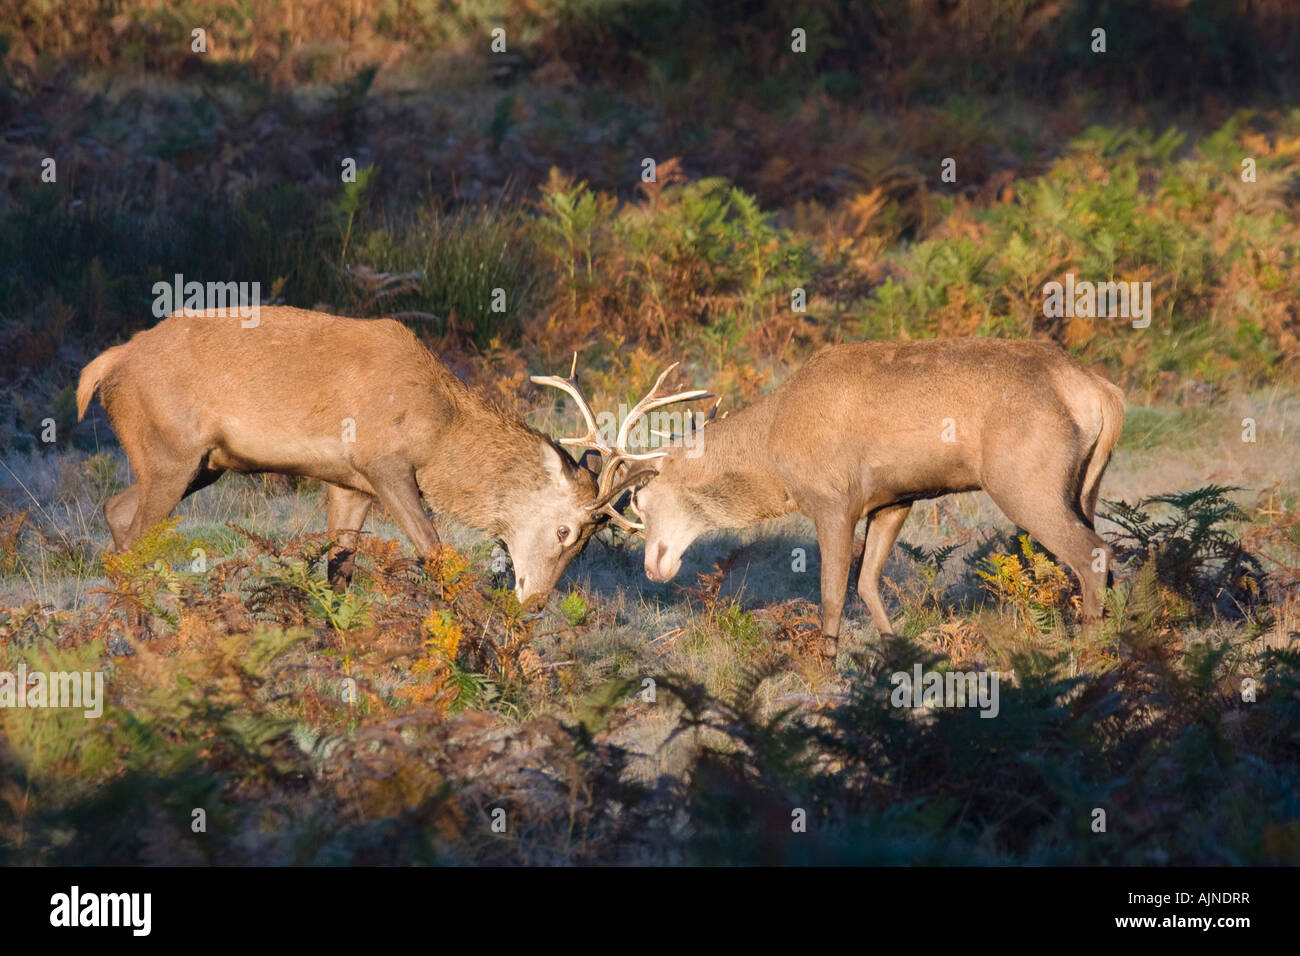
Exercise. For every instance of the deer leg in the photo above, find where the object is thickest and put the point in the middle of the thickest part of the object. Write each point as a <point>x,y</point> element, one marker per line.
<point>1061,531</point>
<point>348,510</point>
<point>835,542</point>
<point>158,496</point>
<point>154,496</point>
<point>395,486</point>
<point>118,512</point>
<point>883,526</point>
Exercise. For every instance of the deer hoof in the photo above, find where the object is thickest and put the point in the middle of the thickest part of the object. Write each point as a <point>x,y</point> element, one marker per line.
<point>339,569</point>
<point>830,648</point>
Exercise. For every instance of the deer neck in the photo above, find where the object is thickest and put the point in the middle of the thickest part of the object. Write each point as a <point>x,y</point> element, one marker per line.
<point>485,467</point>
<point>729,474</point>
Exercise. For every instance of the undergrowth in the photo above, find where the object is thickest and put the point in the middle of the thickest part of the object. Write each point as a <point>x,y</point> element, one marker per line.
<point>261,716</point>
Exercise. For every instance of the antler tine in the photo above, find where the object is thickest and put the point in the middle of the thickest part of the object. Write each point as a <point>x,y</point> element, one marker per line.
<point>640,518</point>
<point>696,426</point>
<point>608,477</point>
<point>571,388</point>
<point>609,481</point>
<point>622,522</point>
<point>648,404</point>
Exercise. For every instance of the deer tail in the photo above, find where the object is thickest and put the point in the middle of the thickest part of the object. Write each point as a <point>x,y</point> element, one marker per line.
<point>1112,424</point>
<point>92,375</point>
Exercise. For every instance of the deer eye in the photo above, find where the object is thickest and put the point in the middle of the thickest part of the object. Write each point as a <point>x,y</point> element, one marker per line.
<point>562,532</point>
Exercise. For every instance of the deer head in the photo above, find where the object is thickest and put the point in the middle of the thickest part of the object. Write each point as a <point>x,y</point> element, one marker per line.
<point>621,470</point>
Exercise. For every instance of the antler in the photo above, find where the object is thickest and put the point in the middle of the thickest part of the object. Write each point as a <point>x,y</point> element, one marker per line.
<point>696,424</point>
<point>648,404</point>
<point>616,460</point>
<point>570,386</point>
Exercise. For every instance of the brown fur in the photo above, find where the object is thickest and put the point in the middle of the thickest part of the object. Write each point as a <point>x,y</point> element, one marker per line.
<point>858,433</point>
<point>194,397</point>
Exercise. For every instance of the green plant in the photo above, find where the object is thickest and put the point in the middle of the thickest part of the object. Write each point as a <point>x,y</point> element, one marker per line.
<point>930,563</point>
<point>144,576</point>
<point>457,262</point>
<point>1032,583</point>
<point>689,256</point>
<point>343,209</point>
<point>1186,536</point>
<point>344,611</point>
<point>574,609</point>
<point>739,628</point>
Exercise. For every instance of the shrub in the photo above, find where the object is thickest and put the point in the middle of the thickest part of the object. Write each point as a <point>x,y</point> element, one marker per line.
<point>689,255</point>
<point>1185,536</point>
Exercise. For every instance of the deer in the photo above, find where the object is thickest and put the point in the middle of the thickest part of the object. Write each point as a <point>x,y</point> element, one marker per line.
<point>359,404</point>
<point>862,431</point>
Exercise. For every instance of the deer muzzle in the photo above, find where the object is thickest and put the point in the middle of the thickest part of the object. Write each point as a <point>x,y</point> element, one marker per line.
<point>660,566</point>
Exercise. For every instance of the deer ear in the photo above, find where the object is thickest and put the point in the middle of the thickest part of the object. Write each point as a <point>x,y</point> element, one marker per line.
<point>592,461</point>
<point>557,463</point>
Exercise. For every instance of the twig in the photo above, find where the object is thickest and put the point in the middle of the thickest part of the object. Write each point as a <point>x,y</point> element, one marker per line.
<point>666,634</point>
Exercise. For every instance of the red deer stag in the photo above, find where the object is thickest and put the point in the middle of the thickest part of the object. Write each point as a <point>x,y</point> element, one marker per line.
<point>864,430</point>
<point>359,404</point>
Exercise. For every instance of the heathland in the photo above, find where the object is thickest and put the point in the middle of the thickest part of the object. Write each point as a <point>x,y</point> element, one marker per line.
<point>923,169</point>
